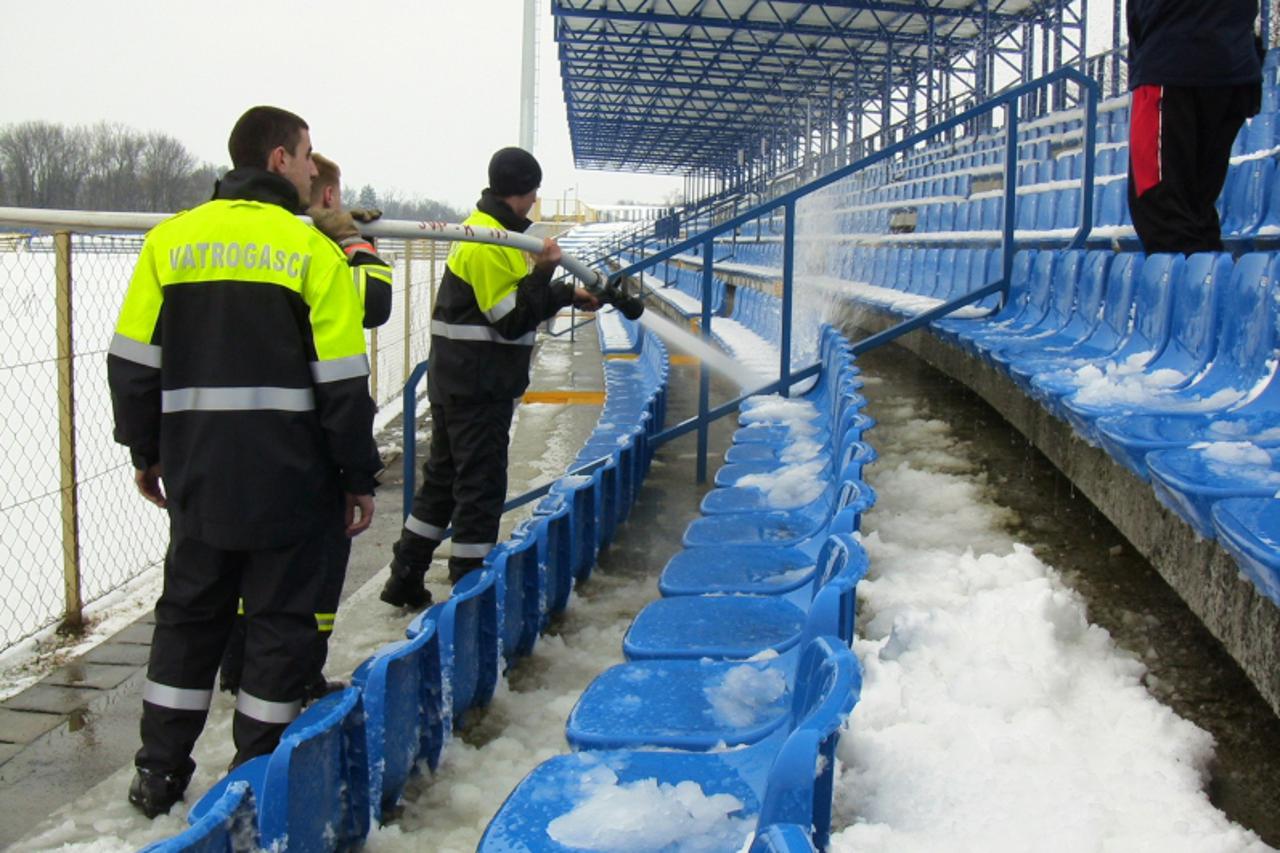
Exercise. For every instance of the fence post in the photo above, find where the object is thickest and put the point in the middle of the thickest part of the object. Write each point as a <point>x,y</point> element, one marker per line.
<point>73,621</point>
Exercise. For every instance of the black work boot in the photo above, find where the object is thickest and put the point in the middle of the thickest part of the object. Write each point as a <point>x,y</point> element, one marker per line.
<point>154,793</point>
<point>405,587</point>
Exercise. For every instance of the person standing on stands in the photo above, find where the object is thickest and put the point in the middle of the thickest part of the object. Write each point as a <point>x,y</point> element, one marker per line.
<point>238,374</point>
<point>487,310</point>
<point>372,278</point>
<point>1195,71</point>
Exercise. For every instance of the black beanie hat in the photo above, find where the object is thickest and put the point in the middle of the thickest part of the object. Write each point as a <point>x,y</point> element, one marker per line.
<point>513,171</point>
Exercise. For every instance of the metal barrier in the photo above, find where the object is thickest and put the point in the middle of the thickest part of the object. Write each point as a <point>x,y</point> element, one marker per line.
<point>72,528</point>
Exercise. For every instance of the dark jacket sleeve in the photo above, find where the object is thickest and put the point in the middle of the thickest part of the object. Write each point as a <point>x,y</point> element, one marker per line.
<point>135,402</point>
<point>537,300</point>
<point>346,415</point>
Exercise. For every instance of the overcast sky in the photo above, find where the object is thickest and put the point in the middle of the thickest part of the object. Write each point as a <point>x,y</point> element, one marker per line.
<point>406,96</point>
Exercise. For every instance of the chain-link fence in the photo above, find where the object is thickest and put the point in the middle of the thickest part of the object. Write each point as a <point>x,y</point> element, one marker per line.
<point>72,527</point>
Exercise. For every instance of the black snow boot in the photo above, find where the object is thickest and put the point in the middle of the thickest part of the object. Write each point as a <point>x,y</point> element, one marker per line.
<point>154,793</point>
<point>406,588</point>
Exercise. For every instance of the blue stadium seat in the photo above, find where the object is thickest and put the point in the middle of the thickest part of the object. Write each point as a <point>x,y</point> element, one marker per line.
<point>1083,314</point>
<point>579,493</point>
<point>468,628</point>
<point>395,717</point>
<point>1260,132</point>
<point>735,627</point>
<point>1035,300</point>
<point>1160,278</point>
<point>227,825</point>
<point>1170,380</point>
<point>552,528</point>
<point>1110,333</point>
<point>952,328</point>
<point>1114,205</point>
<point>1241,366</point>
<point>1189,480</point>
<point>703,703</point>
<point>786,778</point>
<point>1249,529</point>
<point>312,792</point>
<point>520,594</point>
<point>1247,203</point>
<point>1061,298</point>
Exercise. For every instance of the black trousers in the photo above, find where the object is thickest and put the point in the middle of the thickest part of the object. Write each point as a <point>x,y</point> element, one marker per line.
<point>329,596</point>
<point>202,587</point>
<point>464,485</point>
<point>1180,140</point>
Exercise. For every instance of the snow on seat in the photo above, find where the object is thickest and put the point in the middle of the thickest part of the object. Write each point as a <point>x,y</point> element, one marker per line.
<point>1189,480</point>
<point>1106,338</point>
<point>312,790</point>
<point>652,800</point>
<point>703,703</point>
<point>1152,308</point>
<point>227,825</point>
<point>1249,530</point>
<point>787,527</point>
<point>403,718</point>
<point>1179,378</point>
<point>1233,399</point>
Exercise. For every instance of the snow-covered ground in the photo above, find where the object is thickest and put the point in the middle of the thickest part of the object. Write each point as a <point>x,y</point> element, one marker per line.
<point>121,541</point>
<point>994,717</point>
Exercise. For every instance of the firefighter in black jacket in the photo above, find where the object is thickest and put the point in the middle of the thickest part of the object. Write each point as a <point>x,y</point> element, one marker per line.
<point>486,314</point>
<point>1196,74</point>
<point>238,372</point>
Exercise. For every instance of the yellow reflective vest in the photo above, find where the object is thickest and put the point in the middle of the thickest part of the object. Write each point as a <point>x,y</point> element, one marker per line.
<point>239,365</point>
<point>487,313</point>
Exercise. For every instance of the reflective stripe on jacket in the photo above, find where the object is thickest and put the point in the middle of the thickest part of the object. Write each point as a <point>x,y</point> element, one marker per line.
<point>239,364</point>
<point>487,313</point>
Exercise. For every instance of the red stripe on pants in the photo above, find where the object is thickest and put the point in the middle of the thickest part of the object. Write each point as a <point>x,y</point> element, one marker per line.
<point>1144,136</point>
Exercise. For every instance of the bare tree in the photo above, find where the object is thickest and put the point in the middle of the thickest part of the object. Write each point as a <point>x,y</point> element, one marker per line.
<point>44,164</point>
<point>166,170</point>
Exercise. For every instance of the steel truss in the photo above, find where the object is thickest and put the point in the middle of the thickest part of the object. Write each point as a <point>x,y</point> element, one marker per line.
<point>727,92</point>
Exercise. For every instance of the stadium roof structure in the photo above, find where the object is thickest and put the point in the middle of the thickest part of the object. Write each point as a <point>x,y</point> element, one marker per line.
<point>671,86</point>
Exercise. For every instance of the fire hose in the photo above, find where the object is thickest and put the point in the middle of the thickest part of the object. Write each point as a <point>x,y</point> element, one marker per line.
<point>593,281</point>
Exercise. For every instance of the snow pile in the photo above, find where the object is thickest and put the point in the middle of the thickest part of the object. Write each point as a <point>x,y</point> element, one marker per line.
<point>993,716</point>
<point>639,816</point>
<point>1233,452</point>
<point>775,409</point>
<point>745,694</point>
<point>789,487</point>
<point>800,450</point>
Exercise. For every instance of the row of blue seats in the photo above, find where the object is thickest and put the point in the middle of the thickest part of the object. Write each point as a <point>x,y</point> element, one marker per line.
<point>1167,363</point>
<point>1249,207</point>
<point>345,760</point>
<point>759,311</point>
<point>749,580</point>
